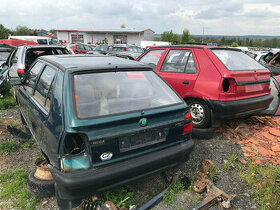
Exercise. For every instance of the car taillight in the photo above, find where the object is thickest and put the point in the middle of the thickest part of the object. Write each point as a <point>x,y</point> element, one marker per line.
<point>229,85</point>
<point>187,122</point>
<point>20,71</point>
<point>75,155</point>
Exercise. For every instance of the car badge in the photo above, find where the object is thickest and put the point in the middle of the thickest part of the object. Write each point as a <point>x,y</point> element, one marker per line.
<point>143,122</point>
<point>106,156</point>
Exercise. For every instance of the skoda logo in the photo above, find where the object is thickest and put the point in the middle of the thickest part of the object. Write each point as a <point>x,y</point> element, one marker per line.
<point>106,156</point>
<point>143,122</point>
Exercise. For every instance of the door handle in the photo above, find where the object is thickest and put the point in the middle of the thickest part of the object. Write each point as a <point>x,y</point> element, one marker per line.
<point>185,82</point>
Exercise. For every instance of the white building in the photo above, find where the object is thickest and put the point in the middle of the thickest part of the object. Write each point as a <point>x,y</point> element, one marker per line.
<point>113,36</point>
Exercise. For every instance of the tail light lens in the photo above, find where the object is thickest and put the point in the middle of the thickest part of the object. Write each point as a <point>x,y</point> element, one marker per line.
<point>187,122</point>
<point>229,85</point>
<point>20,71</point>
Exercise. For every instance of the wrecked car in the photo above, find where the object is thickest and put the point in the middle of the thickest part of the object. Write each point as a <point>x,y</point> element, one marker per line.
<point>217,83</point>
<point>101,121</point>
<point>273,63</point>
<point>126,51</point>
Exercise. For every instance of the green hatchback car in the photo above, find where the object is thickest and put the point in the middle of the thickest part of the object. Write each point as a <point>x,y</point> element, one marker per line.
<point>101,122</point>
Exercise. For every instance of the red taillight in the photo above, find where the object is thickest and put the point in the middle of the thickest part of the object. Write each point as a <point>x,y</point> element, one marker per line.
<point>187,123</point>
<point>20,71</point>
<point>229,85</point>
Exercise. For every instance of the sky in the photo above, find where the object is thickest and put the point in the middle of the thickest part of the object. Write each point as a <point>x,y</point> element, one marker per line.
<point>213,17</point>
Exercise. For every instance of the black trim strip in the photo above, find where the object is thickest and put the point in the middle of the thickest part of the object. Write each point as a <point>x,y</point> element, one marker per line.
<point>252,82</point>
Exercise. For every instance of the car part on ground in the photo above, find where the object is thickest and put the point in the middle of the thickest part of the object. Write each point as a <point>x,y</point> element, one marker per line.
<point>40,182</point>
<point>221,83</point>
<point>102,121</point>
<point>202,182</point>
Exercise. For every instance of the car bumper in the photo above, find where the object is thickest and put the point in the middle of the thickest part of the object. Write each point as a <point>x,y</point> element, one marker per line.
<point>72,187</point>
<point>239,108</point>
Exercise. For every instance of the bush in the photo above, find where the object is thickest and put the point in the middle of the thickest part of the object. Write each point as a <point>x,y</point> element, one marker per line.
<point>7,102</point>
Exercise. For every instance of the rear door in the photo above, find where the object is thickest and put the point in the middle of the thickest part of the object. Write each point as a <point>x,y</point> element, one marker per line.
<point>179,70</point>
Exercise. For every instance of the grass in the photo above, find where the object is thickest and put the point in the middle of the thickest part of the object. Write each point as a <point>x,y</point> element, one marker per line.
<point>14,191</point>
<point>265,182</point>
<point>7,102</point>
<point>9,146</point>
<point>230,162</point>
<point>170,195</point>
<point>120,197</point>
<point>13,145</point>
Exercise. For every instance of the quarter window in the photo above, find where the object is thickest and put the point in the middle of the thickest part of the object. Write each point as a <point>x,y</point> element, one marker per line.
<point>42,93</point>
<point>179,61</point>
<point>152,58</point>
<point>32,76</point>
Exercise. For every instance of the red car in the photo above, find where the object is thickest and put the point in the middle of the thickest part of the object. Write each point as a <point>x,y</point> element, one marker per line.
<point>80,48</point>
<point>217,83</point>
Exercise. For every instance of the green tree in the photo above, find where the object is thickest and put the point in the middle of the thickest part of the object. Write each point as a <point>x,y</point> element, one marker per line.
<point>169,36</point>
<point>156,38</point>
<point>23,30</point>
<point>4,32</point>
<point>52,31</point>
<point>122,26</point>
<point>234,44</point>
<point>185,37</point>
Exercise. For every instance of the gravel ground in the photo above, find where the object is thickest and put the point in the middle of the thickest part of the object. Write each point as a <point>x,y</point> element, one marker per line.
<point>216,149</point>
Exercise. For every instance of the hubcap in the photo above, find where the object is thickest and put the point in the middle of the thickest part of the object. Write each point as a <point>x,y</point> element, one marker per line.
<point>197,113</point>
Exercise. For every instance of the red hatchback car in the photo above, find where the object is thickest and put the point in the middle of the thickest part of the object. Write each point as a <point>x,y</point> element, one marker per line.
<point>80,48</point>
<point>217,83</point>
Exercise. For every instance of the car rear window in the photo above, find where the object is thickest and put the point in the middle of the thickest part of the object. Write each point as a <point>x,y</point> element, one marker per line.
<point>237,60</point>
<point>101,94</point>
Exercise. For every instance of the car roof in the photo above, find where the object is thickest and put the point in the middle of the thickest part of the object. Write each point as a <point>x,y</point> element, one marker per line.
<point>194,46</point>
<point>78,62</point>
<point>43,46</point>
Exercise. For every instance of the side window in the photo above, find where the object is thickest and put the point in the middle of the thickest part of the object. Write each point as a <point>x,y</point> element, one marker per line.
<point>43,88</point>
<point>178,61</point>
<point>32,75</point>
<point>15,57</point>
<point>190,68</point>
<point>152,58</point>
<point>80,47</point>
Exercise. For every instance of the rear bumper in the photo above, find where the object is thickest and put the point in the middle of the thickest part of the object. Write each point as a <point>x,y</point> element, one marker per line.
<point>239,108</point>
<point>72,187</point>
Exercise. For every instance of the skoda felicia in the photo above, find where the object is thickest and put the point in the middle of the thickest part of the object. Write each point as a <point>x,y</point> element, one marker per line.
<point>217,83</point>
<point>101,122</point>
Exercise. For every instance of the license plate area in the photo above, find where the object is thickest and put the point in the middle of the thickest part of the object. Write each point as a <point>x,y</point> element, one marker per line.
<point>142,139</point>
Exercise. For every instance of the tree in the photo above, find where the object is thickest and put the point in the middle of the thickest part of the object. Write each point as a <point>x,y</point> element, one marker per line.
<point>52,31</point>
<point>23,30</point>
<point>169,36</point>
<point>185,37</point>
<point>4,32</point>
<point>234,44</point>
<point>122,26</point>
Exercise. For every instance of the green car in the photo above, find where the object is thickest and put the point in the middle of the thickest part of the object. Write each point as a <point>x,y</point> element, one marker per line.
<point>102,122</point>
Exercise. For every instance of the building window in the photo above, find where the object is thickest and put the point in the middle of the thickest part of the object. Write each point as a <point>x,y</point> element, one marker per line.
<point>77,38</point>
<point>120,39</point>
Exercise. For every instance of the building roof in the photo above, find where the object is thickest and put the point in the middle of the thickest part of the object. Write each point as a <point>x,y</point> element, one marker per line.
<point>125,30</point>
<point>93,62</point>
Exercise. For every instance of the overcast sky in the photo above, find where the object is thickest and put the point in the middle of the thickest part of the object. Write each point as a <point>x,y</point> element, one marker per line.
<point>217,17</point>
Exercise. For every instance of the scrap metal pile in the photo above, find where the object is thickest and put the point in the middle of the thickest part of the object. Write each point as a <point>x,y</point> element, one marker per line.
<point>259,137</point>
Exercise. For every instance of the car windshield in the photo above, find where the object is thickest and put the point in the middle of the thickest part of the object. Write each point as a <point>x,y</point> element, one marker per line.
<point>101,94</point>
<point>4,56</point>
<point>101,48</point>
<point>237,60</point>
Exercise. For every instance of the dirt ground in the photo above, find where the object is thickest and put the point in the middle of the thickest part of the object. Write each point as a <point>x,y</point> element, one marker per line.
<point>218,149</point>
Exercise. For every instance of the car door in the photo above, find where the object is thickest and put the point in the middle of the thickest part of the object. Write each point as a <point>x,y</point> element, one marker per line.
<point>179,70</point>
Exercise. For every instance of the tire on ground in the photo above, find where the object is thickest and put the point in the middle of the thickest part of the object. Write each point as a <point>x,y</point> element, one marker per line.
<point>203,133</point>
<point>40,188</point>
<point>206,121</point>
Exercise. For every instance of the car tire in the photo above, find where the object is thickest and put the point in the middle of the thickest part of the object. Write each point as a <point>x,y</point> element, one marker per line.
<point>203,133</point>
<point>40,188</point>
<point>200,113</point>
